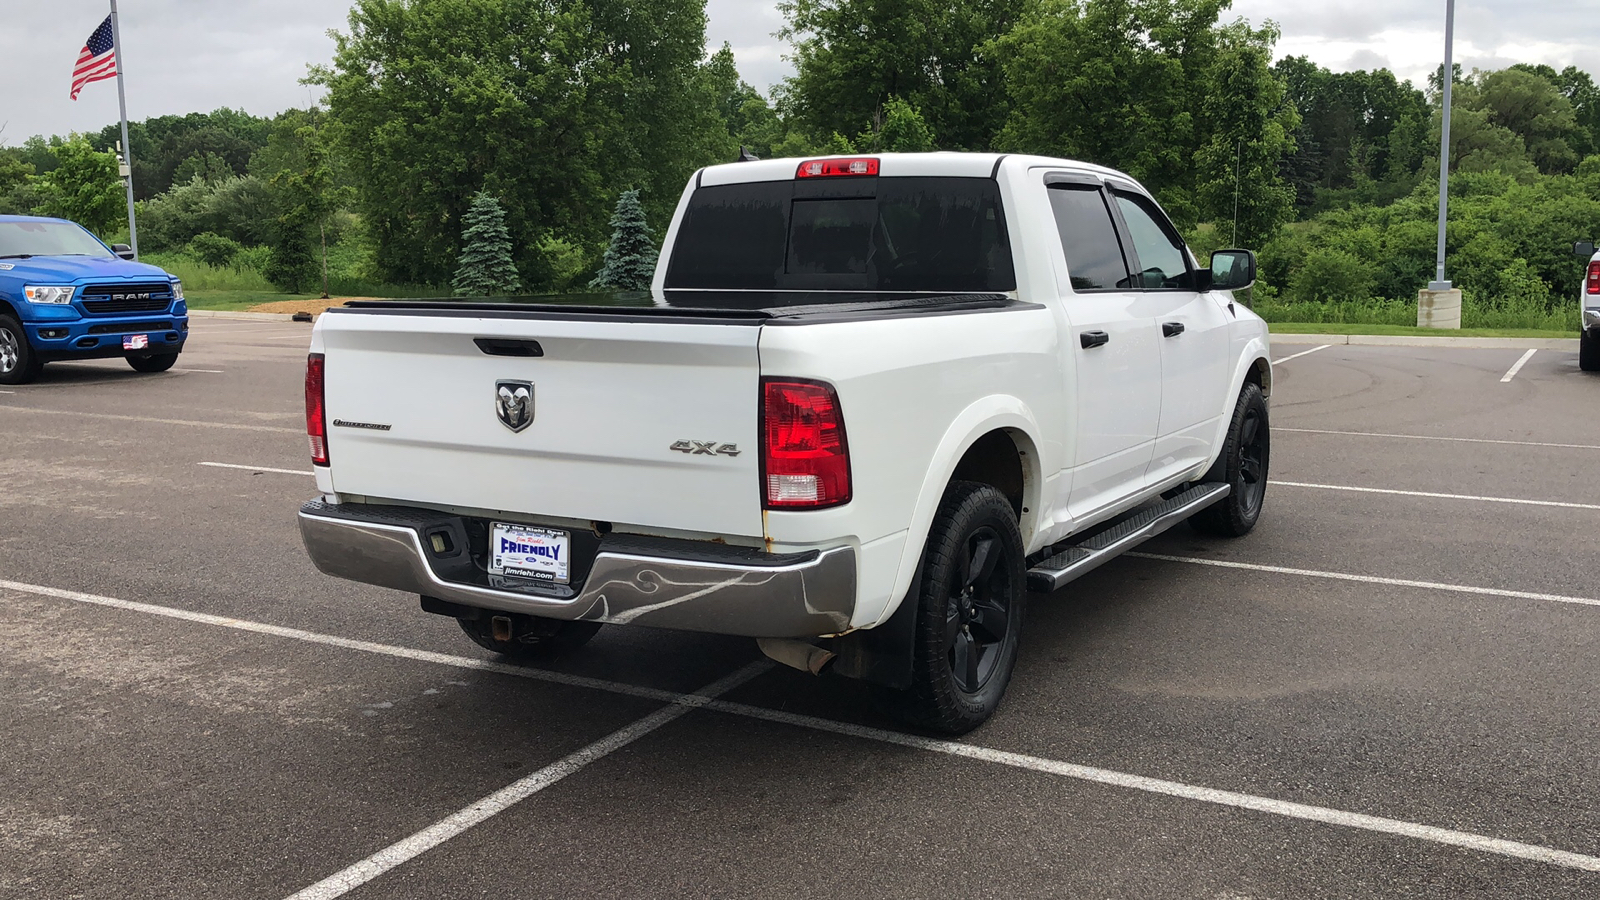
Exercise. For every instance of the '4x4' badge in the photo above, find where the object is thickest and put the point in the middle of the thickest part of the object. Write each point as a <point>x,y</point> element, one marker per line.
<point>705,448</point>
<point>513,403</point>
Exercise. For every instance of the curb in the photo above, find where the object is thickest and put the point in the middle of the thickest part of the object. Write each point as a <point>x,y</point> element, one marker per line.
<point>1418,340</point>
<point>247,316</point>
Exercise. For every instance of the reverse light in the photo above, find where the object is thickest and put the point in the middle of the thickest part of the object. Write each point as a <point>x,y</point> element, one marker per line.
<point>42,293</point>
<point>316,411</point>
<point>1593,283</point>
<point>805,461</point>
<point>837,168</point>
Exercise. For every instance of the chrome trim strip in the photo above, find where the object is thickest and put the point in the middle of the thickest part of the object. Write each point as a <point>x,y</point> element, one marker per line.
<point>808,599</point>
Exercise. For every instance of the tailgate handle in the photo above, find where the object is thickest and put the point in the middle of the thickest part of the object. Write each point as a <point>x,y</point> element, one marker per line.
<point>509,347</point>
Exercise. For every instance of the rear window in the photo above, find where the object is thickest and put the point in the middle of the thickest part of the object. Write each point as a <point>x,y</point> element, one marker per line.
<point>911,235</point>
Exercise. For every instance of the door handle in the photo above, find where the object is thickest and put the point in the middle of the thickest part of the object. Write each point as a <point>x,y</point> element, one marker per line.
<point>1091,339</point>
<point>1171,329</point>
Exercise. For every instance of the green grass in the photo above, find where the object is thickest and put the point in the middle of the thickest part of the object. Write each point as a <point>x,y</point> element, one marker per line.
<point>1346,328</point>
<point>1502,315</point>
<point>197,276</point>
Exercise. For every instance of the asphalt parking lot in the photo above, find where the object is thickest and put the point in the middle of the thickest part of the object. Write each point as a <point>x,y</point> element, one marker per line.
<point>1387,690</point>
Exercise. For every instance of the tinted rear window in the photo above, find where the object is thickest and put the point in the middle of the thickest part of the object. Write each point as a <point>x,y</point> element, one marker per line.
<point>943,235</point>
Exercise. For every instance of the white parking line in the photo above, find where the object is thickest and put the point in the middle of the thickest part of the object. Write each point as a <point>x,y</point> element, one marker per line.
<point>257,469</point>
<point>1427,437</point>
<point>1300,354</point>
<point>1365,490</point>
<point>1369,579</point>
<point>1518,367</point>
<point>117,418</point>
<point>1325,815</point>
<point>202,371</point>
<point>397,854</point>
<point>1360,821</point>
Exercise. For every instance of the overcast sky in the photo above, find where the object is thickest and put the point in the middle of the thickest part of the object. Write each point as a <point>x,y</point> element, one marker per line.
<point>188,55</point>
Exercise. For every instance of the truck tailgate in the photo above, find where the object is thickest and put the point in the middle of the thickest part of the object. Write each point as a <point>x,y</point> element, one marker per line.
<point>611,398</point>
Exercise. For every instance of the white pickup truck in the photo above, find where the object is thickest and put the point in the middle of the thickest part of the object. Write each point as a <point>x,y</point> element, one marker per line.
<point>870,404</point>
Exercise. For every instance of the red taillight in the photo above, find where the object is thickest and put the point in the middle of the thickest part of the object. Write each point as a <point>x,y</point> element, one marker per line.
<point>837,168</point>
<point>316,414</point>
<point>1593,286</point>
<point>805,463</point>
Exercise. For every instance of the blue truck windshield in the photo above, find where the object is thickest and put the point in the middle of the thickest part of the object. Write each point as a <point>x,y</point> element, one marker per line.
<point>21,239</point>
<point>894,235</point>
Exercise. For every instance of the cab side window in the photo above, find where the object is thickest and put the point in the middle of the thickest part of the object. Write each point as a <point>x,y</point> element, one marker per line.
<point>1089,238</point>
<point>1163,263</point>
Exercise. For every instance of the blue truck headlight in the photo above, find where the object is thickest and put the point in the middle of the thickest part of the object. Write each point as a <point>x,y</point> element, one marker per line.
<point>177,289</point>
<point>44,293</point>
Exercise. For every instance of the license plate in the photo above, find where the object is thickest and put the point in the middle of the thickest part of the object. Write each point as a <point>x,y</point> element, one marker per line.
<point>522,551</point>
<point>136,342</point>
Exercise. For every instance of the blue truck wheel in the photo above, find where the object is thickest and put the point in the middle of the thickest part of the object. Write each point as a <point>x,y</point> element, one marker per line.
<point>18,363</point>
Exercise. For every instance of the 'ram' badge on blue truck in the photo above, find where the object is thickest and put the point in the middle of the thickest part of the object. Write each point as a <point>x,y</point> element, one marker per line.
<point>525,552</point>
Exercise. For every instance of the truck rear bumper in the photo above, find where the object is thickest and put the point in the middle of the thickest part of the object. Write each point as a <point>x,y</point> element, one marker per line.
<point>685,585</point>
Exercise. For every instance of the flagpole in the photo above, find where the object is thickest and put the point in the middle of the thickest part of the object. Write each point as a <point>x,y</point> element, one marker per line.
<point>127,148</point>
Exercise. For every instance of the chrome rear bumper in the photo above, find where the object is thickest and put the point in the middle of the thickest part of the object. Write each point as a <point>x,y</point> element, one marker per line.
<point>721,590</point>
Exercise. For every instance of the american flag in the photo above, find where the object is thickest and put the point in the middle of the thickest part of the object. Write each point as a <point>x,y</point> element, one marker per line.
<point>96,61</point>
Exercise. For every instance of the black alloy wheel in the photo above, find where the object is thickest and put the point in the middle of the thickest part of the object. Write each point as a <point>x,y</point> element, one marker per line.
<point>969,599</point>
<point>978,617</point>
<point>1244,465</point>
<point>1253,462</point>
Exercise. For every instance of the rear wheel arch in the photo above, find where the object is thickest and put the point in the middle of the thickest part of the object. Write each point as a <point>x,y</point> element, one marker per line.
<point>978,439</point>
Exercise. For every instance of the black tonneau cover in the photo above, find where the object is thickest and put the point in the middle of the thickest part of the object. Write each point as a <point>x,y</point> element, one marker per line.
<point>731,307</point>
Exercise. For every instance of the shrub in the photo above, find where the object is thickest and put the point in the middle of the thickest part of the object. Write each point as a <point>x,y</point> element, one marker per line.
<point>214,249</point>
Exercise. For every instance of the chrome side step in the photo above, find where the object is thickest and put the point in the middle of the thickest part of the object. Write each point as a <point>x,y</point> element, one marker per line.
<point>1076,561</point>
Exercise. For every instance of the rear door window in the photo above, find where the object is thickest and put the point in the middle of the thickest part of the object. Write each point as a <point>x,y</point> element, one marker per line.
<point>1089,238</point>
<point>902,235</point>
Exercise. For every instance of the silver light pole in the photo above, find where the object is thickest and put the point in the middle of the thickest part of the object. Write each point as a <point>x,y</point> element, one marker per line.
<point>127,147</point>
<point>1439,282</point>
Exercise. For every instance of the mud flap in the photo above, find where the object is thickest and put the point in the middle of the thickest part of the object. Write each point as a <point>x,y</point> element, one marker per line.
<point>882,655</point>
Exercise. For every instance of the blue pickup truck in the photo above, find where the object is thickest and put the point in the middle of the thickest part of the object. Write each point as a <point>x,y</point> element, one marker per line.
<point>65,295</point>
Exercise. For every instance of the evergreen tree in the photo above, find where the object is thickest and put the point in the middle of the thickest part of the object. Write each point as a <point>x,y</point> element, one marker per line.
<point>630,261</point>
<point>485,268</point>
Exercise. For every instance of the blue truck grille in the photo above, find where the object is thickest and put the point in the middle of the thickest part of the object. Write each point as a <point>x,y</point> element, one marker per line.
<point>111,299</point>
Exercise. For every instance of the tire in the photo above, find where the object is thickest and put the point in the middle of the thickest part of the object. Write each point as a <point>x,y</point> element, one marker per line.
<point>1589,350</point>
<point>153,362</point>
<point>535,637</point>
<point>18,363</point>
<point>970,602</point>
<point>1244,464</point>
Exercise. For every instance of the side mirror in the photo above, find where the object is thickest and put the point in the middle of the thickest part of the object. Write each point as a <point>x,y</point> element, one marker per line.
<point>1584,249</point>
<point>1232,270</point>
<point>122,250</point>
